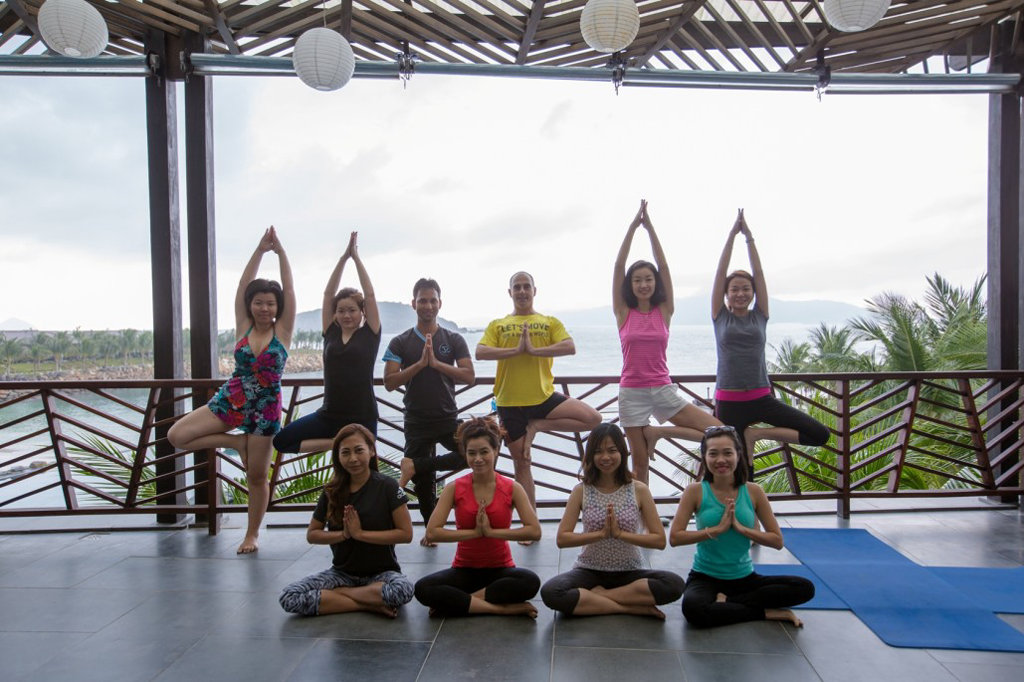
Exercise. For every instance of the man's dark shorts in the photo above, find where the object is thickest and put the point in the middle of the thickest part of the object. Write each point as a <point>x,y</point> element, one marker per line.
<point>515,419</point>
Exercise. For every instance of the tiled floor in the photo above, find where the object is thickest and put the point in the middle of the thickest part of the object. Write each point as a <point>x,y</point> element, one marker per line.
<point>180,605</point>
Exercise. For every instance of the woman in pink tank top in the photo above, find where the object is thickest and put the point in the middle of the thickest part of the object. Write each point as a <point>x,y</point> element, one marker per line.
<point>643,302</point>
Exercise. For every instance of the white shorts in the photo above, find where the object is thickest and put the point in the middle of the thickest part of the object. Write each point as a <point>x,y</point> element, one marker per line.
<point>636,405</point>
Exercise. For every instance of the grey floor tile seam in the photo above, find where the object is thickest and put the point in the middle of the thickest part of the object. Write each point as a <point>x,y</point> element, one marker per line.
<point>430,651</point>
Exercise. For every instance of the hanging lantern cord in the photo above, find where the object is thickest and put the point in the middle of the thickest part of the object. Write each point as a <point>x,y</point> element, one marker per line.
<point>406,66</point>
<point>617,64</point>
<point>824,72</point>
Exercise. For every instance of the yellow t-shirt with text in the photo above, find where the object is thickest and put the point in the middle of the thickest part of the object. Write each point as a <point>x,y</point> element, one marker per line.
<point>523,380</point>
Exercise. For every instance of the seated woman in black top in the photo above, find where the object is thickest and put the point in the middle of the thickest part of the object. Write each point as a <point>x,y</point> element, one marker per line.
<point>362,515</point>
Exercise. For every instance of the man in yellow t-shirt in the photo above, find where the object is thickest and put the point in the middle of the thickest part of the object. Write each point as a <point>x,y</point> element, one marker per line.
<point>524,344</point>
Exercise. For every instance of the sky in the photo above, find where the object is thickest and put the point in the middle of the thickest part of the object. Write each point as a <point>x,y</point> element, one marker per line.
<point>471,179</point>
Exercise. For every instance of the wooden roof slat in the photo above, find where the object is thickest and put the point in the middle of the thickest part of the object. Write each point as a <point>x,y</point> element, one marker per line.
<point>949,33</point>
<point>710,8</point>
<point>799,21</point>
<point>12,31</point>
<point>684,35</point>
<point>443,18</point>
<point>414,15</point>
<point>770,16</point>
<point>178,7</point>
<point>698,26</point>
<point>926,19</point>
<point>27,18</point>
<point>222,27</point>
<point>536,14</point>
<point>408,30</point>
<point>131,20</point>
<point>486,23</point>
<point>764,43</point>
<point>285,15</point>
<point>239,18</point>
<point>680,20</point>
<point>154,11</point>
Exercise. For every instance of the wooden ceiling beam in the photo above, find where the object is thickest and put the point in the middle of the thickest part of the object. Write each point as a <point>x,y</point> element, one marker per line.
<point>239,18</point>
<point>309,8</point>
<point>443,30</point>
<point>27,18</point>
<point>536,14</point>
<point>14,31</point>
<point>759,38</point>
<point>222,27</point>
<point>403,28</point>
<point>496,29</point>
<point>683,35</point>
<point>710,9</point>
<point>698,27</point>
<point>685,14</point>
<point>798,20</point>
<point>179,8</point>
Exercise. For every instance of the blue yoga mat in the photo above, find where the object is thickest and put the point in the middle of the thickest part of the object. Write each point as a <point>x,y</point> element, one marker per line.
<point>905,604</point>
<point>824,598</point>
<point>1000,590</point>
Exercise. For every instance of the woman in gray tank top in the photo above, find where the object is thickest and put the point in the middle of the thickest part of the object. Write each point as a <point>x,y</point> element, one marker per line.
<point>743,393</point>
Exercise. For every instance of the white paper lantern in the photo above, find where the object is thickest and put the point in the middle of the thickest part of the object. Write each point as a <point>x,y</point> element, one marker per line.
<point>73,28</point>
<point>609,25</point>
<point>854,15</point>
<point>323,59</point>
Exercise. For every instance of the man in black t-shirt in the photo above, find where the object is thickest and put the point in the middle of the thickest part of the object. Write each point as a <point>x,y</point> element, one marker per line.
<point>428,359</point>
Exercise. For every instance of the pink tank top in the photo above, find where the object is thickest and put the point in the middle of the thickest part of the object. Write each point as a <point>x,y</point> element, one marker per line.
<point>644,339</point>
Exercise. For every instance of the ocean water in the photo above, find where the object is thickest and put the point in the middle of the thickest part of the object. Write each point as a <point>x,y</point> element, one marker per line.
<point>691,351</point>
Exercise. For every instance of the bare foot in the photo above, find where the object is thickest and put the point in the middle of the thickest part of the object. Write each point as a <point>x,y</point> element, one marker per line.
<point>650,439</point>
<point>523,609</point>
<point>408,468</point>
<point>654,612</point>
<point>784,615</point>
<point>424,542</point>
<point>384,610</point>
<point>720,597</point>
<point>249,546</point>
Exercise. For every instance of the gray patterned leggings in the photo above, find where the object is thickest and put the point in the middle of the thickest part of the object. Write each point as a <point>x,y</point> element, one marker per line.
<point>303,596</point>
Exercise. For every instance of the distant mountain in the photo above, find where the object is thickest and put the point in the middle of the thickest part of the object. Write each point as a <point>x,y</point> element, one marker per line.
<point>14,324</point>
<point>695,310</point>
<point>394,318</point>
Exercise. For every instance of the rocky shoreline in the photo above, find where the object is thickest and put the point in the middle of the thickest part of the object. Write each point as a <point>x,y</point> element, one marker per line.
<point>298,362</point>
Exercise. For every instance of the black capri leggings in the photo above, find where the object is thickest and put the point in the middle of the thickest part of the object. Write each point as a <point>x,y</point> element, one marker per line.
<point>742,413</point>
<point>746,598</point>
<point>448,592</point>
<point>562,592</point>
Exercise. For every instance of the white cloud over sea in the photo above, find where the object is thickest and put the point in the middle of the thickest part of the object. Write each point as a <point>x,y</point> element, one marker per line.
<point>470,179</point>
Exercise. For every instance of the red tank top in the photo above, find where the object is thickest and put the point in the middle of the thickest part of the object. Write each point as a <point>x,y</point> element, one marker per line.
<point>483,552</point>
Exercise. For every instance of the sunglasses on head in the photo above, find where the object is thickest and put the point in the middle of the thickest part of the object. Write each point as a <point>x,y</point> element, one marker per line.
<point>719,430</point>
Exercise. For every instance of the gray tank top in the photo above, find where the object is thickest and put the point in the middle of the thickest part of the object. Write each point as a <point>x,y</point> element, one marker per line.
<point>740,342</point>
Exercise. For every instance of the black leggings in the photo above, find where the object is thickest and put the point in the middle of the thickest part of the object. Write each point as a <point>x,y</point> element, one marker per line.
<point>562,593</point>
<point>740,414</point>
<point>419,447</point>
<point>448,592</point>
<point>747,597</point>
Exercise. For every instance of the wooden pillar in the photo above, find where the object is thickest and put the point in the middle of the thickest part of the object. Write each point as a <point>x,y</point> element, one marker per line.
<point>202,249</point>
<point>1005,225</point>
<point>165,254</point>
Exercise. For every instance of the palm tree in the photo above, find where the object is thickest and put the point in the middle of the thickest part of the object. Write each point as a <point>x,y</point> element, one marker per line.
<point>39,349</point>
<point>127,341</point>
<point>11,350</point>
<point>60,343</point>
